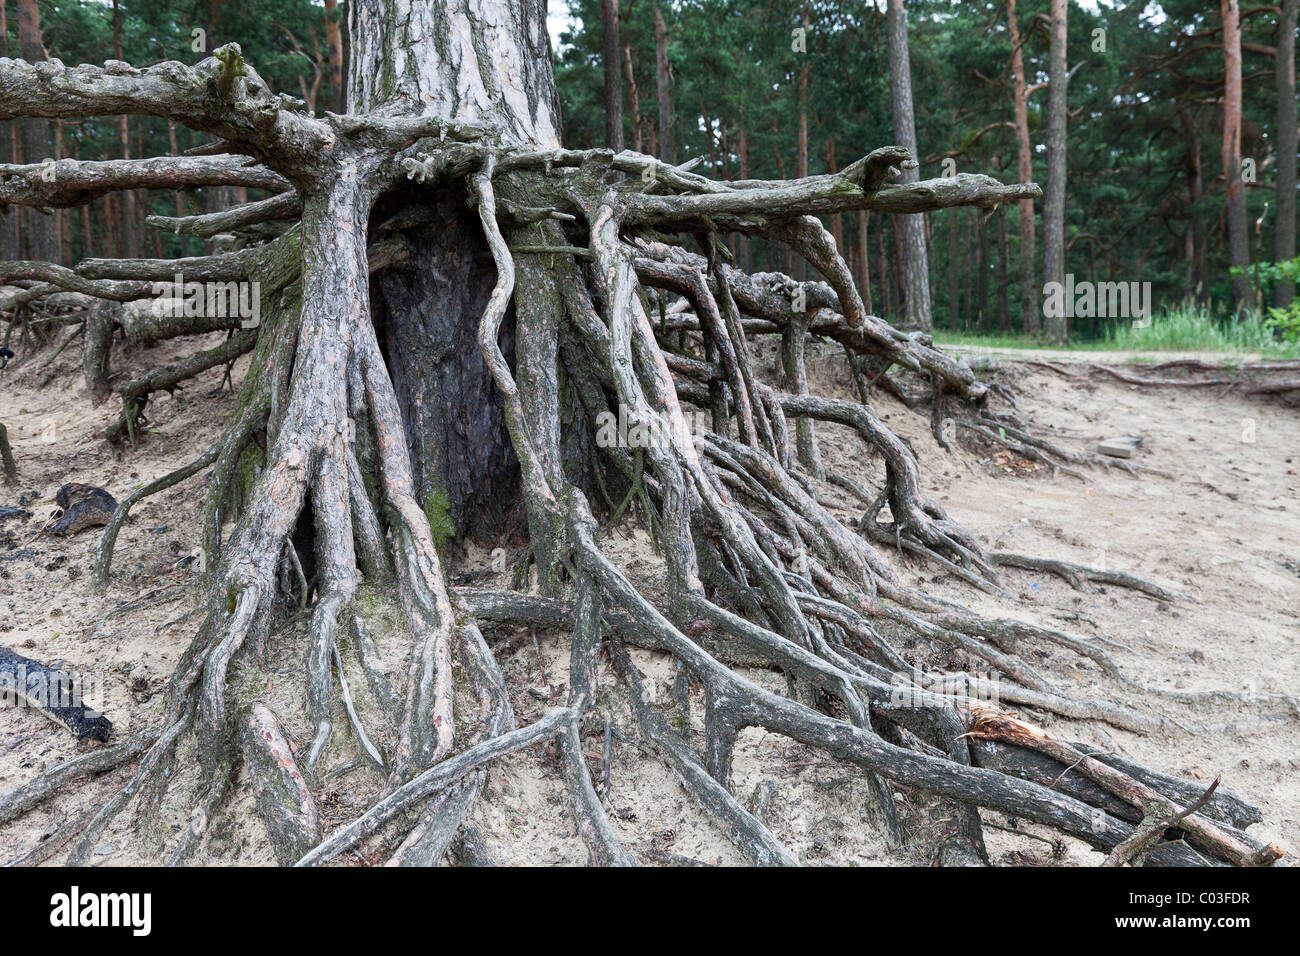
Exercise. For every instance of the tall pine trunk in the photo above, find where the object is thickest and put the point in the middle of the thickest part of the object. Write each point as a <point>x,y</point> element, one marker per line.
<point>1030,301</point>
<point>8,218</point>
<point>953,220</point>
<point>1284,231</point>
<point>1236,189</point>
<point>43,242</point>
<point>126,222</point>
<point>1054,193</point>
<point>864,260</point>
<point>664,88</point>
<point>334,44</point>
<point>916,266</point>
<point>1003,317</point>
<point>613,81</point>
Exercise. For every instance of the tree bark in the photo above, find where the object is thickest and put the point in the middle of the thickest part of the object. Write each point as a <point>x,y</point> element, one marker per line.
<point>43,244</point>
<point>633,100</point>
<point>745,251</point>
<point>334,45</point>
<point>968,267</point>
<point>1003,315</point>
<point>916,267</point>
<point>1054,190</point>
<point>885,273</point>
<point>127,208</point>
<point>1030,297</point>
<point>1236,189</point>
<point>953,220</point>
<point>385,251</point>
<point>428,310</point>
<point>389,62</point>
<point>613,81</point>
<point>9,218</point>
<point>1284,230</point>
<point>981,272</point>
<point>837,220</point>
<point>864,260</point>
<point>801,155</point>
<point>664,88</point>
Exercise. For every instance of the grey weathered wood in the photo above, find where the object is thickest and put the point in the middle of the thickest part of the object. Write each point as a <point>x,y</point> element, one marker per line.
<point>283,797</point>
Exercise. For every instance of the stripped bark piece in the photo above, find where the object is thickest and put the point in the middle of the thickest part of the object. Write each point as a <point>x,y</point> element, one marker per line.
<point>283,797</point>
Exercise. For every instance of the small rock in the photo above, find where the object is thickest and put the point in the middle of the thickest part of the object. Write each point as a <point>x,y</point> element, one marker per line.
<point>1122,446</point>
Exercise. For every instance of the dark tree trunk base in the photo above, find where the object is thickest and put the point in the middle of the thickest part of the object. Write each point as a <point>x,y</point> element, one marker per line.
<point>426,311</point>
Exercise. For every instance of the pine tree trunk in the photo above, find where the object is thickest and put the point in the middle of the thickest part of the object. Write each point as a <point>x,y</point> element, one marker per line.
<point>968,273</point>
<point>8,218</point>
<point>1030,300</point>
<point>953,219</point>
<point>179,197</point>
<point>916,267</point>
<point>664,88</point>
<point>334,44</point>
<point>1285,229</point>
<point>981,284</point>
<point>1054,191</point>
<point>634,101</point>
<point>745,252</point>
<point>886,275</point>
<point>1003,315</point>
<point>43,243</point>
<point>837,220</point>
<point>127,221</point>
<point>1236,189</point>
<point>610,60</point>
<point>864,260</point>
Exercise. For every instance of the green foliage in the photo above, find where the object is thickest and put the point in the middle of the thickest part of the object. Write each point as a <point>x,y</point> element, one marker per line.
<point>281,39</point>
<point>1193,328</point>
<point>1283,322</point>
<point>1144,113</point>
<point>1137,122</point>
<point>1183,328</point>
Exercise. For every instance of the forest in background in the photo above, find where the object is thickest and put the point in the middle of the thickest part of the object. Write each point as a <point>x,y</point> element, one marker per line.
<point>1174,172</point>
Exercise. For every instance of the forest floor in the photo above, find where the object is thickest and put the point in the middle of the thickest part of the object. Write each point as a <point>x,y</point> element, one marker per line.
<point>1225,529</point>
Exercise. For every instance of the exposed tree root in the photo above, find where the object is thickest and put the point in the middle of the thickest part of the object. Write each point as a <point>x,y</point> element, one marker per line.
<point>758,569</point>
<point>1078,576</point>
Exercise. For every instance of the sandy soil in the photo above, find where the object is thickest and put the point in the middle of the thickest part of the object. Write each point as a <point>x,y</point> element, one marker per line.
<point>1226,530</point>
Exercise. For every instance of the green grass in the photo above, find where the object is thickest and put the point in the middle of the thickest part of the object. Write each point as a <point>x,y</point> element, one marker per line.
<point>1190,328</point>
<point>946,337</point>
<point>1183,328</point>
